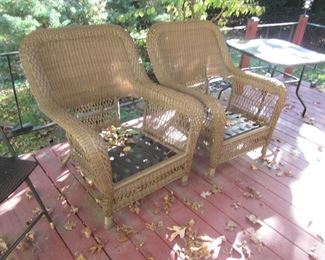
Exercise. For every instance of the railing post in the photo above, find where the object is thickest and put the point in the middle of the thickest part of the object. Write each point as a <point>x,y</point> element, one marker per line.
<point>251,29</point>
<point>299,34</point>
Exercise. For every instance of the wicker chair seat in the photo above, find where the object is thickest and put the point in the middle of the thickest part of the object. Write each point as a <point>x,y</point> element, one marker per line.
<point>141,154</point>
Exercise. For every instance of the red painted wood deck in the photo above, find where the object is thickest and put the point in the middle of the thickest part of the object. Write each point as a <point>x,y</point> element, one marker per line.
<point>290,208</point>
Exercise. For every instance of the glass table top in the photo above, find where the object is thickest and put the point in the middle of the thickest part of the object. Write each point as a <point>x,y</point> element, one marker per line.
<point>277,52</point>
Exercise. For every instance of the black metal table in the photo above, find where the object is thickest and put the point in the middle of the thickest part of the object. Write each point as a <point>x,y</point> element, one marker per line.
<point>279,53</point>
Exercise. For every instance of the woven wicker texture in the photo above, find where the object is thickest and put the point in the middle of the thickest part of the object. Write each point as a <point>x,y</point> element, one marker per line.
<point>187,54</point>
<point>77,76</point>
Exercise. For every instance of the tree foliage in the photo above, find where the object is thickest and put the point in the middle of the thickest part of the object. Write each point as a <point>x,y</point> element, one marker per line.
<point>220,11</point>
<point>20,17</point>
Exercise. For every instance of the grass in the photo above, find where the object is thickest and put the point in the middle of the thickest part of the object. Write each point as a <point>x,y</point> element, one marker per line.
<point>30,113</point>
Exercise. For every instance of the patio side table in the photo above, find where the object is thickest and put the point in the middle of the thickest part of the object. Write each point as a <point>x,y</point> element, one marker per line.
<point>279,53</point>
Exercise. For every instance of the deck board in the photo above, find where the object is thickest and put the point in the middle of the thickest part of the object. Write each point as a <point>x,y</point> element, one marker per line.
<point>290,208</point>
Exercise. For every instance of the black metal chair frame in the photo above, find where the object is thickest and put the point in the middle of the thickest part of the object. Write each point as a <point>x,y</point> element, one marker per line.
<point>19,171</point>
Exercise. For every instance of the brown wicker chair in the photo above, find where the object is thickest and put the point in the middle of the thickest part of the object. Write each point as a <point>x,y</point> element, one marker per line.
<point>184,55</point>
<point>77,76</point>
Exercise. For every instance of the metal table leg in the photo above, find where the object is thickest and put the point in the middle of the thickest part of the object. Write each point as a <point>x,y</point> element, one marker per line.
<point>297,91</point>
<point>273,71</point>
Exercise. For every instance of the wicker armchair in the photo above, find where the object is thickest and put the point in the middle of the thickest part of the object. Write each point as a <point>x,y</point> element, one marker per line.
<point>185,55</point>
<point>77,76</point>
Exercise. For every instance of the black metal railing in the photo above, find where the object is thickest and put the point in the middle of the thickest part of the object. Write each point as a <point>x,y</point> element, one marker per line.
<point>274,30</point>
<point>20,127</point>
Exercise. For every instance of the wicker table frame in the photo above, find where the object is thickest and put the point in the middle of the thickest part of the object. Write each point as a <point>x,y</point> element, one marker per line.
<point>186,53</point>
<point>77,76</point>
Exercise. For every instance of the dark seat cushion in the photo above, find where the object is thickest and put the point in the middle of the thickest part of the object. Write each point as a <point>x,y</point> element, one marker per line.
<point>13,172</point>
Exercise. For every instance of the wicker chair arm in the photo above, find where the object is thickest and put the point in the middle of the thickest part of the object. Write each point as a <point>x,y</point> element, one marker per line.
<point>210,104</point>
<point>215,118</point>
<point>213,114</point>
<point>185,105</point>
<point>269,85</point>
<point>174,99</point>
<point>87,142</point>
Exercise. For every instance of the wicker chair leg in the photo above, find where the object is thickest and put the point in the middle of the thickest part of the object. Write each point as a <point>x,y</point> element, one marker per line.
<point>211,171</point>
<point>108,222</point>
<point>184,180</point>
<point>264,150</point>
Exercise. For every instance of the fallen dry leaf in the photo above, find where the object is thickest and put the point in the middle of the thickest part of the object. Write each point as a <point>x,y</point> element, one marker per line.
<point>74,210</point>
<point>178,231</point>
<point>271,163</point>
<point>191,223</point>
<point>205,194</point>
<point>151,226</point>
<point>253,219</point>
<point>253,167</point>
<point>257,240</point>
<point>141,244</point>
<point>22,246</point>
<point>230,225</point>
<point>197,246</point>
<point>312,254</point>
<point>123,238</point>
<point>87,232</point>
<point>126,149</point>
<point>244,249</point>
<point>150,258</point>
<point>69,225</point>
<point>135,207</point>
<point>29,194</point>
<point>284,174</point>
<point>36,211</point>
<point>126,230</point>
<point>160,224</point>
<point>193,204</point>
<point>236,205</point>
<point>30,236</point>
<point>97,248</point>
<point>80,257</point>
<point>168,201</point>
<point>252,193</point>
<point>3,246</point>
<point>49,210</point>
<point>216,189</point>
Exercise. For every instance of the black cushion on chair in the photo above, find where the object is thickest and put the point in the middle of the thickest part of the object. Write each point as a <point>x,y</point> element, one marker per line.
<point>13,172</point>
